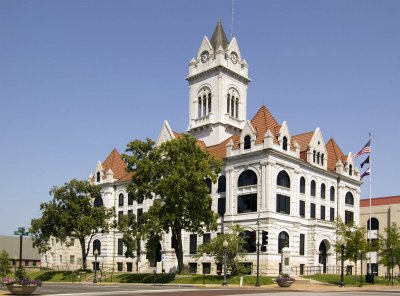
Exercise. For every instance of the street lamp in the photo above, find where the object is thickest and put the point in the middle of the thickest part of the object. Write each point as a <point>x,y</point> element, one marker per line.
<point>342,265</point>
<point>96,252</point>
<point>15,264</point>
<point>225,245</point>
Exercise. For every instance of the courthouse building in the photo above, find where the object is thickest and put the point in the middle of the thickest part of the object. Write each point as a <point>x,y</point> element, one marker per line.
<point>292,185</point>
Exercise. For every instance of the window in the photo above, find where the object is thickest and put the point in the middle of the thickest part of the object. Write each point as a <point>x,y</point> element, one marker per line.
<point>322,212</point>
<point>129,266</point>
<point>302,209</point>
<point>120,214</point>
<point>348,217</point>
<point>206,237</point>
<point>314,155</point>
<point>302,240</point>
<point>33,263</point>
<point>98,177</point>
<point>192,267</point>
<point>250,238</point>
<point>221,184</point>
<point>247,178</point>
<point>139,214</point>
<point>206,268</point>
<point>71,259</point>
<point>140,199</point>
<point>349,199</point>
<point>247,142</point>
<point>332,193</point>
<point>98,202</point>
<point>130,213</point>
<point>193,244</point>
<point>121,200</point>
<point>130,199</point>
<point>318,157</point>
<point>283,179</point>
<point>312,188</point>
<point>374,224</point>
<point>204,102</point>
<point>232,103</point>
<point>322,159</point>
<point>332,214</point>
<point>119,266</point>
<point>97,246</point>
<point>302,185</point>
<point>283,204</point>
<point>72,242</point>
<point>312,210</point>
<point>209,184</point>
<point>350,170</point>
<point>27,261</point>
<point>247,203</point>
<point>283,241</point>
<point>323,189</point>
<point>120,247</point>
<point>284,143</point>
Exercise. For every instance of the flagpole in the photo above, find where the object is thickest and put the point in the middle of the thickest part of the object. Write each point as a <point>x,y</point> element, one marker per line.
<point>370,196</point>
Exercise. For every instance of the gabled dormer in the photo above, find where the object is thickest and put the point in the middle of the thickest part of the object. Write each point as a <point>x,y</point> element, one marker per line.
<point>166,134</point>
<point>317,154</point>
<point>98,175</point>
<point>247,138</point>
<point>284,138</point>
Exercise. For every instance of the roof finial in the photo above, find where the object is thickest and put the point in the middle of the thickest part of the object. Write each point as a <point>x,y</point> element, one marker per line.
<point>233,2</point>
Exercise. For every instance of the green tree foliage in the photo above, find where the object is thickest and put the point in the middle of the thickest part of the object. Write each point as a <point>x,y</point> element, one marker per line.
<point>389,246</point>
<point>174,173</point>
<point>71,214</point>
<point>5,266</point>
<point>234,252</point>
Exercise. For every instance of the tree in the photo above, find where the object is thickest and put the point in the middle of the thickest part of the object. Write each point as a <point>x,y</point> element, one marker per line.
<point>5,266</point>
<point>174,175</point>
<point>71,214</point>
<point>234,252</point>
<point>389,246</point>
<point>354,238</point>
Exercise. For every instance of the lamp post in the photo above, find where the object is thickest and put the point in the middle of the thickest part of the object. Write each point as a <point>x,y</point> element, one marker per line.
<point>342,265</point>
<point>15,264</point>
<point>225,245</point>
<point>258,253</point>
<point>96,252</point>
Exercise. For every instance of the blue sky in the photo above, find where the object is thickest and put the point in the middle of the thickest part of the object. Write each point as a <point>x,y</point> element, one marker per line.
<point>79,78</point>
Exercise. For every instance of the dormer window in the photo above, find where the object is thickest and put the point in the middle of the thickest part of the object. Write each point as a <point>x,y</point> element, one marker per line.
<point>98,177</point>
<point>204,102</point>
<point>284,143</point>
<point>322,159</point>
<point>350,170</point>
<point>318,157</point>
<point>314,155</point>
<point>247,142</point>
<point>232,103</point>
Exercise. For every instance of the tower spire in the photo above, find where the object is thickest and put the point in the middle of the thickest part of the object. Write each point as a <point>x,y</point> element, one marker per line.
<point>219,37</point>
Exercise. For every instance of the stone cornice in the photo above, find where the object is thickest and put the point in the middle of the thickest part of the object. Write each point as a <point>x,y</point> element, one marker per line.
<point>219,69</point>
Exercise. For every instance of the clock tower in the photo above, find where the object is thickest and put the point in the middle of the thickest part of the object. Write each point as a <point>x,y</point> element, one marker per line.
<point>218,79</point>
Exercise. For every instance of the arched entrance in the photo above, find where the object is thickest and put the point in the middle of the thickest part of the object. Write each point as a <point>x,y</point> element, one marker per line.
<point>323,256</point>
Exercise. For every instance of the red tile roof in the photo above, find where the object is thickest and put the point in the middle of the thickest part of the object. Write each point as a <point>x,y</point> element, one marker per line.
<point>117,165</point>
<point>380,201</point>
<point>263,121</point>
<point>334,154</point>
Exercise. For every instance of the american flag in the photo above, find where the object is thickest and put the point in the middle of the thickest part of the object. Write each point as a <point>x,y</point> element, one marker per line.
<point>365,149</point>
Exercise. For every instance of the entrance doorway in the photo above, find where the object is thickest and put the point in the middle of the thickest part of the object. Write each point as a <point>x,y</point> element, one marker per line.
<point>322,256</point>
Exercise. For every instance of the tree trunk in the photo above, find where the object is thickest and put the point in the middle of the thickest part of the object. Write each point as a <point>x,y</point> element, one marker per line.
<point>83,249</point>
<point>177,235</point>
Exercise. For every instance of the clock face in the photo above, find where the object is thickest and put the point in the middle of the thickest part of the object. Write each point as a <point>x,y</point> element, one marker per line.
<point>234,57</point>
<point>204,56</point>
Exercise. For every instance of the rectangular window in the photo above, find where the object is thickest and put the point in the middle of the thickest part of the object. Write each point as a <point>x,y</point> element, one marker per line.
<point>192,267</point>
<point>283,204</point>
<point>120,247</point>
<point>119,266</point>
<point>129,266</point>
<point>71,259</point>
<point>332,214</point>
<point>312,210</point>
<point>322,212</point>
<point>33,263</point>
<point>206,268</point>
<point>140,200</point>
<point>193,244</point>
<point>206,237</point>
<point>139,215</point>
<point>121,200</point>
<point>302,209</point>
<point>348,217</point>
<point>72,242</point>
<point>130,199</point>
<point>130,213</point>
<point>247,203</point>
<point>27,262</point>
<point>120,214</point>
<point>302,241</point>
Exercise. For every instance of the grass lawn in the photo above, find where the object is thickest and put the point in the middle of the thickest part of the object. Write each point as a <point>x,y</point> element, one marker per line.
<point>349,280</point>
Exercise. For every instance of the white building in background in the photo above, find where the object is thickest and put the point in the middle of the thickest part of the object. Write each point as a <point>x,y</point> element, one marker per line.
<point>292,186</point>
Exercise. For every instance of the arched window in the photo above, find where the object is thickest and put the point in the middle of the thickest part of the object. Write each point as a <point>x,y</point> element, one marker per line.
<point>120,200</point>
<point>283,241</point>
<point>98,202</point>
<point>318,157</point>
<point>349,199</point>
<point>209,184</point>
<point>232,103</point>
<point>302,185</point>
<point>332,193</point>
<point>312,188</point>
<point>204,102</point>
<point>247,178</point>
<point>97,246</point>
<point>98,177</point>
<point>221,184</point>
<point>130,199</point>
<point>284,143</point>
<point>247,142</point>
<point>350,170</point>
<point>283,179</point>
<point>314,155</point>
<point>323,189</point>
<point>322,159</point>
<point>374,224</point>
